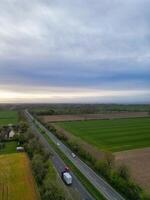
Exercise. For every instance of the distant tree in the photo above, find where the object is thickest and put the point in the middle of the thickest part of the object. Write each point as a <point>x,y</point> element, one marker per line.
<point>33,146</point>
<point>51,112</point>
<point>23,127</point>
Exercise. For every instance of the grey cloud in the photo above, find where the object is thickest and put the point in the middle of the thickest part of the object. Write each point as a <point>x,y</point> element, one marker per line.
<point>89,43</point>
<point>75,29</point>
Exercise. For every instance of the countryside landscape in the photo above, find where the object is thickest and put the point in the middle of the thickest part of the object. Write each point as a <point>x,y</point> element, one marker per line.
<point>74,100</point>
<point>113,144</point>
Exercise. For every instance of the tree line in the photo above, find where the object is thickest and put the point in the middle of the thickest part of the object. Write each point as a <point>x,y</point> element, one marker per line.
<point>47,185</point>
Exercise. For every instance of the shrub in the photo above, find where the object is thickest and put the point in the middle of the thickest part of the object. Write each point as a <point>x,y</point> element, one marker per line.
<point>123,172</point>
<point>103,168</point>
<point>39,168</point>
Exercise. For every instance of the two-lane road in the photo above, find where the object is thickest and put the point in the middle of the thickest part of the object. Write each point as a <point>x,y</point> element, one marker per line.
<point>77,189</point>
<point>99,183</point>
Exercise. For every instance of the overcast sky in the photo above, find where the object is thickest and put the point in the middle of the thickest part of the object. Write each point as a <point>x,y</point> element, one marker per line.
<point>75,51</point>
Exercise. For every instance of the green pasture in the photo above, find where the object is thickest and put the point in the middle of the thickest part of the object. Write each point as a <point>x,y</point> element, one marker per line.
<point>8,117</point>
<point>113,135</point>
<point>9,147</point>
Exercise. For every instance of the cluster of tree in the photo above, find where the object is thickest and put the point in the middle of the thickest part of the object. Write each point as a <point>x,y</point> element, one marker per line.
<point>118,177</point>
<point>40,165</point>
<point>5,131</point>
<point>45,112</point>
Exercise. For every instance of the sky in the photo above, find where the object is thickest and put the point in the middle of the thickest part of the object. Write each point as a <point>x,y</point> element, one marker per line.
<point>66,51</point>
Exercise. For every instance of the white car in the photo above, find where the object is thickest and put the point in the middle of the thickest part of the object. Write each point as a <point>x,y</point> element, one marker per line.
<point>73,155</point>
<point>58,144</point>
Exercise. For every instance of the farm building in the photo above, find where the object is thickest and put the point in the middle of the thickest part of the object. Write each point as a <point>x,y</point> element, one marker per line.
<point>11,134</point>
<point>6,133</point>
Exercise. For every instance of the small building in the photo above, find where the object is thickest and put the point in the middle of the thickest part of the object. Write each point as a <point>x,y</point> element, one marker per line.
<point>11,134</point>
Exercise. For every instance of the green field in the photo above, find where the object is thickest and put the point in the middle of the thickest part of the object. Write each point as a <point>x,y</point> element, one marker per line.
<point>113,135</point>
<point>10,147</point>
<point>8,117</point>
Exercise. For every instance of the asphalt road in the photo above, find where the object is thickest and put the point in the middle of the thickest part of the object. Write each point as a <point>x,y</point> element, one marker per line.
<point>79,191</point>
<point>99,183</point>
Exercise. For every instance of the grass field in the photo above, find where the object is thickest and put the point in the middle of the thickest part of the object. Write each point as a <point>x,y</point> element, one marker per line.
<point>8,117</point>
<point>10,147</point>
<point>114,135</point>
<point>16,181</point>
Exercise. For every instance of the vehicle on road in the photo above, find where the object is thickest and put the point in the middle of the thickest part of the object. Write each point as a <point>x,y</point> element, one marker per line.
<point>67,169</point>
<point>58,144</point>
<point>66,176</point>
<point>73,155</point>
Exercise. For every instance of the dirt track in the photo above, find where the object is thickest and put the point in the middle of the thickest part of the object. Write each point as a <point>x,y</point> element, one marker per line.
<point>138,162</point>
<point>113,115</point>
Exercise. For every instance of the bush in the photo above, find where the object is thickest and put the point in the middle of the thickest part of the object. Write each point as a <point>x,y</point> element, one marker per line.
<point>103,168</point>
<point>123,172</point>
<point>23,127</point>
<point>126,187</point>
<point>50,191</point>
<point>39,168</point>
<point>109,159</point>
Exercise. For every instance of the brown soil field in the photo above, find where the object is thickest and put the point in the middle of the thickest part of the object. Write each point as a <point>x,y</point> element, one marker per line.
<point>113,115</point>
<point>138,162</point>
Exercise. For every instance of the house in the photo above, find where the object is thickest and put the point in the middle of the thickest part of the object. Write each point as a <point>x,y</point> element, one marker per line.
<point>11,134</point>
<point>6,133</point>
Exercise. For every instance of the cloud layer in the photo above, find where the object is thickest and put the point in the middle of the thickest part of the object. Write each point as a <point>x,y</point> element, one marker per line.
<point>59,45</point>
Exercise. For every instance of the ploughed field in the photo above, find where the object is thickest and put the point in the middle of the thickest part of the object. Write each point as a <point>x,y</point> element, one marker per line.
<point>16,181</point>
<point>113,135</point>
<point>138,162</point>
<point>8,117</point>
<point>107,115</point>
